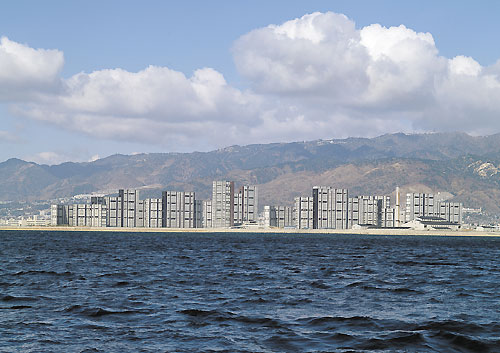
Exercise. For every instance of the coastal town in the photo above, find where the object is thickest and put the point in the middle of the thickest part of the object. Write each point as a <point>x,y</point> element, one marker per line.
<point>239,208</point>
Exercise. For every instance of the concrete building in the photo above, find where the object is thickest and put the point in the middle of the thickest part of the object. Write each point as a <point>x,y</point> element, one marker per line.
<point>330,208</point>
<point>206,214</point>
<point>123,210</point>
<point>115,211</point>
<point>130,202</point>
<point>419,204</point>
<point>198,213</point>
<point>59,215</point>
<point>278,216</point>
<point>399,216</point>
<point>152,213</point>
<point>304,212</point>
<point>449,211</point>
<point>246,205</point>
<point>374,210</point>
<point>432,223</point>
<point>178,209</point>
<point>388,217</point>
<point>88,215</point>
<point>352,212</point>
<point>222,204</point>
<point>425,205</point>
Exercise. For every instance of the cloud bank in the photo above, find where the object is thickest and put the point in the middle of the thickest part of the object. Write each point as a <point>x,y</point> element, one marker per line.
<point>318,76</point>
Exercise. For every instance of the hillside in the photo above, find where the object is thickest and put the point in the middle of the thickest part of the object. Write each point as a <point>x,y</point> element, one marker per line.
<point>467,167</point>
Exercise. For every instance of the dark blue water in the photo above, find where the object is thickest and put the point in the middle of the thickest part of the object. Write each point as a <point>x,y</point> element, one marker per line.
<point>122,292</point>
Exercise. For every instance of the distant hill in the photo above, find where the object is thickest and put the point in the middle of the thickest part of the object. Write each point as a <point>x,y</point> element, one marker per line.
<point>468,167</point>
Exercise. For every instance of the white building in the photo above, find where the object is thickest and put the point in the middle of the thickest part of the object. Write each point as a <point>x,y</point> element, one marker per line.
<point>304,212</point>
<point>179,209</point>
<point>222,204</point>
<point>330,208</point>
<point>246,205</point>
<point>206,214</point>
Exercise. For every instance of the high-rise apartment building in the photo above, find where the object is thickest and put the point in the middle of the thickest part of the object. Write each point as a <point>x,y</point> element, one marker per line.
<point>206,214</point>
<point>352,211</point>
<point>130,202</point>
<point>87,215</point>
<point>330,208</point>
<point>246,205</point>
<point>152,213</point>
<point>178,209</point>
<point>304,212</point>
<point>450,211</point>
<point>222,204</point>
<point>418,205</point>
<point>59,215</point>
<point>114,209</point>
<point>278,216</point>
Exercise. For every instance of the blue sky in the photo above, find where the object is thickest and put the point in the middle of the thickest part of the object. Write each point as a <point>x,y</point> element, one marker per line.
<point>219,75</point>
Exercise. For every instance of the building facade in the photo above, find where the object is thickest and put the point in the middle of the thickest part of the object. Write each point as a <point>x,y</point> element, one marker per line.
<point>330,208</point>
<point>178,209</point>
<point>304,206</point>
<point>222,204</point>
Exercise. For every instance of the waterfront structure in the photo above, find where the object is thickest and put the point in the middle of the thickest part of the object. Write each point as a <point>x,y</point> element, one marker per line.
<point>425,205</point>
<point>388,217</point>
<point>246,205</point>
<point>206,214</point>
<point>87,215</point>
<point>59,215</point>
<point>278,216</point>
<point>432,223</point>
<point>198,213</point>
<point>115,211</point>
<point>450,211</point>
<point>374,210</point>
<point>130,201</point>
<point>222,204</point>
<point>329,208</point>
<point>304,206</point>
<point>418,204</point>
<point>398,218</point>
<point>152,210</point>
<point>352,211</point>
<point>178,209</point>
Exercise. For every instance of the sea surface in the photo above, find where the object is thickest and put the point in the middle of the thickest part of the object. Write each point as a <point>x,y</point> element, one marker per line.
<point>183,292</point>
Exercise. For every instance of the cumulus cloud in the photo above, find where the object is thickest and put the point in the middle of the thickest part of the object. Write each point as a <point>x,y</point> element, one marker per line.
<point>154,105</point>
<point>317,76</point>
<point>25,71</point>
<point>49,158</point>
<point>370,79</point>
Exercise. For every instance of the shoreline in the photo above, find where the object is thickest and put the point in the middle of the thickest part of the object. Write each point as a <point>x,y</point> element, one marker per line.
<point>389,231</point>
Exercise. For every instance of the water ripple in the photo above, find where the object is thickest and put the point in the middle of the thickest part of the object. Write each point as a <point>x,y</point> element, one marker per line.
<point>114,292</point>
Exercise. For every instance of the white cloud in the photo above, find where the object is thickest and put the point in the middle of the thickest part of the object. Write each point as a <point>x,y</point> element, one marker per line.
<point>25,71</point>
<point>49,158</point>
<point>317,76</point>
<point>9,137</point>
<point>367,80</point>
<point>94,158</point>
<point>154,105</point>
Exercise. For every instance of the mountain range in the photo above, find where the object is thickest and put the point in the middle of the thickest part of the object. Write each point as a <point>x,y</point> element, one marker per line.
<point>460,167</point>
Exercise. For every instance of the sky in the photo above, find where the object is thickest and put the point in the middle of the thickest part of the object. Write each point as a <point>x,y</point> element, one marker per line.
<point>82,80</point>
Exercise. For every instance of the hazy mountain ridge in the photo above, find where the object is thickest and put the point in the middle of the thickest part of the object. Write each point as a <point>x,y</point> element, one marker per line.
<point>466,166</point>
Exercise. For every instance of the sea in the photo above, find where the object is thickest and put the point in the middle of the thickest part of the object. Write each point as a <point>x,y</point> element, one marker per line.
<point>247,292</point>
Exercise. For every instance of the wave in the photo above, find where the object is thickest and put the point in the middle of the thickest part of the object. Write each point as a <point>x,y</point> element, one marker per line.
<point>219,316</point>
<point>42,272</point>
<point>10,298</point>
<point>94,312</point>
